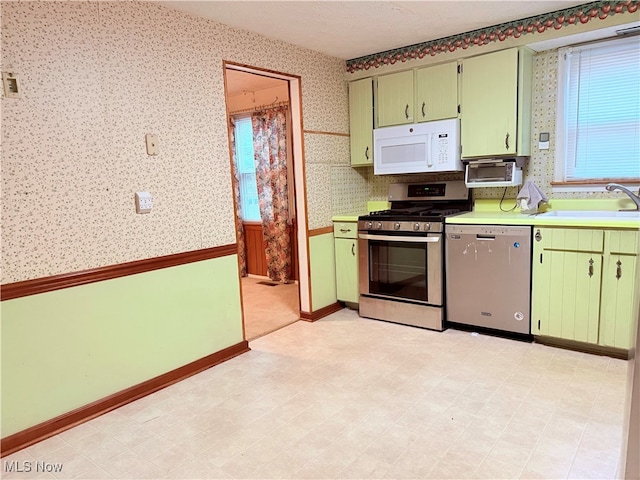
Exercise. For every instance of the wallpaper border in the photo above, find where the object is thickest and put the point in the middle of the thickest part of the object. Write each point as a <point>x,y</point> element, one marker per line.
<point>531,25</point>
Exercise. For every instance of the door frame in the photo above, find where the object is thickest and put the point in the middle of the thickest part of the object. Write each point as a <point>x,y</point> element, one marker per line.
<point>299,175</point>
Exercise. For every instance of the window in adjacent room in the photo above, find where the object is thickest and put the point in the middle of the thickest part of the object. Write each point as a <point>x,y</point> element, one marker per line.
<point>598,125</point>
<point>247,170</point>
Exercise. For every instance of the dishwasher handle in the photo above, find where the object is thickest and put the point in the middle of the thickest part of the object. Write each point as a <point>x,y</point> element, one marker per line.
<point>485,237</point>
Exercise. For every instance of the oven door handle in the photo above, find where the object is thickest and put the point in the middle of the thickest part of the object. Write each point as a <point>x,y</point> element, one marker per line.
<point>393,238</point>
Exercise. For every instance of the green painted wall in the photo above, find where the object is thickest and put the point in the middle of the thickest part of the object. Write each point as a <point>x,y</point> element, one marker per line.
<point>68,348</point>
<point>323,271</point>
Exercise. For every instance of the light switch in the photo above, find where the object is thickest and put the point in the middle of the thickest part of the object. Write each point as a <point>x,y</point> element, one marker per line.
<point>144,202</point>
<point>152,144</point>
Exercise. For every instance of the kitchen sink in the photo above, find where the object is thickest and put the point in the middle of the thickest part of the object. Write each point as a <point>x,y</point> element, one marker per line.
<point>592,214</point>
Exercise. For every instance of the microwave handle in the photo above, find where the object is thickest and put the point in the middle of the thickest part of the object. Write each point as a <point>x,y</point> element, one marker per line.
<point>429,150</point>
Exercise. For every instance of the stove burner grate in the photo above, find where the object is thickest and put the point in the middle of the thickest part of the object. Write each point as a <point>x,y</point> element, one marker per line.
<point>416,211</point>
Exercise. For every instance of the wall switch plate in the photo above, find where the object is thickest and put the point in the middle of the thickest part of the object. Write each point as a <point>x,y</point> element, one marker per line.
<point>144,202</point>
<point>152,144</point>
<point>11,85</point>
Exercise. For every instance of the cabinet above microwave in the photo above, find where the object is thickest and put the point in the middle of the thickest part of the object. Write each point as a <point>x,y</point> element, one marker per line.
<point>496,103</point>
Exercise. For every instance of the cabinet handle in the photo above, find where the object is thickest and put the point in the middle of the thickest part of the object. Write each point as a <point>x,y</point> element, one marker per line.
<point>366,153</point>
<point>406,112</point>
<point>506,141</point>
<point>423,105</point>
<point>538,236</point>
<point>618,269</point>
<point>345,230</point>
<point>591,267</point>
<point>353,249</point>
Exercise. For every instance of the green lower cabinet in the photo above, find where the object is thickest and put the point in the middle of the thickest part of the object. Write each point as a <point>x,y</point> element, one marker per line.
<point>619,285</point>
<point>346,248</point>
<point>579,290</point>
<point>566,295</point>
<point>347,270</point>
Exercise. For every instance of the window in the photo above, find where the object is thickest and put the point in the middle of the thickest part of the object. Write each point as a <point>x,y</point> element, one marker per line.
<point>598,127</point>
<point>247,170</point>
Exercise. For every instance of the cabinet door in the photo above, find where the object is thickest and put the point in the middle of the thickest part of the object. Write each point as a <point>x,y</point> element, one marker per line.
<point>361,121</point>
<point>437,92</point>
<point>347,269</point>
<point>489,100</point>
<point>619,287</point>
<point>565,299</point>
<point>395,99</point>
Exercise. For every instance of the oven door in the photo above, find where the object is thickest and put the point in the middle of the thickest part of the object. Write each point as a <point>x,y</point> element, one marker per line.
<point>401,267</point>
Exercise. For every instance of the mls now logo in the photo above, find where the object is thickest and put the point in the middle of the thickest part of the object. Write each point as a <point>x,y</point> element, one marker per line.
<point>29,466</point>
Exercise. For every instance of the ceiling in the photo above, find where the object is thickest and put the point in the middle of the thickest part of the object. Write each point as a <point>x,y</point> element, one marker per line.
<point>351,29</point>
<point>240,82</point>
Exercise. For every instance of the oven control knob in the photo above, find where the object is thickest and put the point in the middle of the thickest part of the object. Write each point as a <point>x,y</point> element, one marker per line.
<point>397,226</point>
<point>369,225</point>
<point>379,226</point>
<point>416,226</point>
<point>427,226</point>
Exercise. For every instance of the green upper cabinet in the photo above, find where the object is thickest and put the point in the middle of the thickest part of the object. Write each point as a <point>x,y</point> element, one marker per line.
<point>437,92</point>
<point>361,121</point>
<point>619,286</point>
<point>496,103</point>
<point>395,100</point>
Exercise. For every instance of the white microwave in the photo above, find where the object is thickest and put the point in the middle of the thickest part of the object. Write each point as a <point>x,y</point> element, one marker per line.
<point>417,148</point>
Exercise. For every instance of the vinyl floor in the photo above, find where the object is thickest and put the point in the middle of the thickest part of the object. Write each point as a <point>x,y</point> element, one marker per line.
<point>352,398</point>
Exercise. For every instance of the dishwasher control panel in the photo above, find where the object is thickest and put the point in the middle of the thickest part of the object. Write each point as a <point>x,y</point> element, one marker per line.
<point>487,230</point>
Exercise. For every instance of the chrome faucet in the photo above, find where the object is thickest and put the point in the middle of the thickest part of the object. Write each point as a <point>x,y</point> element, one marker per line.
<point>634,198</point>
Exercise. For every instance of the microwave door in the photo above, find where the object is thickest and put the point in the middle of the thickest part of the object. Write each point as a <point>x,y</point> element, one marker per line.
<point>401,155</point>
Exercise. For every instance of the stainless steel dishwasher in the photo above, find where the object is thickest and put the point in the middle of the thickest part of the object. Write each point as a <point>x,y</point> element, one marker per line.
<point>488,276</point>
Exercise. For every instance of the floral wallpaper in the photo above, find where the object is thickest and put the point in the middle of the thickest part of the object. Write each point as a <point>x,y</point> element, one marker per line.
<point>96,77</point>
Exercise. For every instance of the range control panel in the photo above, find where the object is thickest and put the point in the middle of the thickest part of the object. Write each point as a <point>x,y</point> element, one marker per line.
<point>398,226</point>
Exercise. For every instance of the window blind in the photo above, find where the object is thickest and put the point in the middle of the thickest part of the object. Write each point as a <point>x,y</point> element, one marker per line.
<point>602,110</point>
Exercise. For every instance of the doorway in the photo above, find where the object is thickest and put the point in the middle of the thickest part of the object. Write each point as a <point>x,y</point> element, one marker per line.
<point>259,114</point>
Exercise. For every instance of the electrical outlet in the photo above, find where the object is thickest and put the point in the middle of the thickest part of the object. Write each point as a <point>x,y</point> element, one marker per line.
<point>11,85</point>
<point>152,144</point>
<point>144,202</point>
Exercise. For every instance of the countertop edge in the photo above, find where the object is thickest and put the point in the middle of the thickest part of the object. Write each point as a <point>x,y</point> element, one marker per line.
<point>494,218</point>
<point>345,218</point>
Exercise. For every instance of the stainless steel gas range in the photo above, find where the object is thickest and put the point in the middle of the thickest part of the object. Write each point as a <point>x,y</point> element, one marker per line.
<point>401,252</point>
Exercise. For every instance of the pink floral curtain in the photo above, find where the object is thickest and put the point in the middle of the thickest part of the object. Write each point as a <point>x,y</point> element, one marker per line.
<point>242,252</point>
<point>270,149</point>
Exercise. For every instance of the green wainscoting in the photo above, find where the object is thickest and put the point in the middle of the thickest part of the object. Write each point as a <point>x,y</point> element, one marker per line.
<point>67,348</point>
<point>323,271</point>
